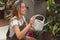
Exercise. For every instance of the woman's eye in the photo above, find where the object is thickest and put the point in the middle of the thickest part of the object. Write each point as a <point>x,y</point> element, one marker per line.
<point>23,7</point>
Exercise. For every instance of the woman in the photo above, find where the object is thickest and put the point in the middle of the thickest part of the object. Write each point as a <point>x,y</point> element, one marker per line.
<point>18,25</point>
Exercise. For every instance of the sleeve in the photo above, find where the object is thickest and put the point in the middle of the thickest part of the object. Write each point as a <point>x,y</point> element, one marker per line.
<point>14,22</point>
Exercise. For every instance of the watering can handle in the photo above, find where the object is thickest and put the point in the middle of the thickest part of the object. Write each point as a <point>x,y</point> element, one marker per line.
<point>41,16</point>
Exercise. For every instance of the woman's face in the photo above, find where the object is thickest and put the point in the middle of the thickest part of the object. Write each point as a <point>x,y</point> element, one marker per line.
<point>22,9</point>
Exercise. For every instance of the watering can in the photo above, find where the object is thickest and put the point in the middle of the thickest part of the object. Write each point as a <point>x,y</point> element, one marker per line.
<point>39,22</point>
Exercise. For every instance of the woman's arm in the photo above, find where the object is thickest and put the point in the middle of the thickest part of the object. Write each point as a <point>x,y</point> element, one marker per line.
<point>19,33</point>
<point>31,29</point>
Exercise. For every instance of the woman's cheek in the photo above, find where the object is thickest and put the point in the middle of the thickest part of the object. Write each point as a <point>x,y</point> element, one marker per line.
<point>23,11</point>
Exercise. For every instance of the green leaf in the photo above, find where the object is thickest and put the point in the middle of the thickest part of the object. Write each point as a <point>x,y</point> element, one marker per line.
<point>1,3</point>
<point>57,30</point>
<point>54,29</point>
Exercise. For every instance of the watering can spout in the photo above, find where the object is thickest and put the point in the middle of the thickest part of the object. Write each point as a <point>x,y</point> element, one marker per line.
<point>46,23</point>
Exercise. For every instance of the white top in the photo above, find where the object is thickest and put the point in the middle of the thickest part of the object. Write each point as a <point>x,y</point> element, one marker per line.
<point>15,22</point>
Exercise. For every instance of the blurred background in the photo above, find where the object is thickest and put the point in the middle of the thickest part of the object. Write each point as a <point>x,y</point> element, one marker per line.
<point>50,9</point>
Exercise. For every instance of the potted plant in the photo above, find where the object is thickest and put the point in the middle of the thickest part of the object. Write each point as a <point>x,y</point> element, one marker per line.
<point>54,27</point>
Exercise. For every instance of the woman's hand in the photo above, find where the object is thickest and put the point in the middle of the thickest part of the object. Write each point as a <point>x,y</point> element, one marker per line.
<point>32,20</point>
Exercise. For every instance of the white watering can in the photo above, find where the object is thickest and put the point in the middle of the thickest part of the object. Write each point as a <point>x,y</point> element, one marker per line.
<point>39,24</point>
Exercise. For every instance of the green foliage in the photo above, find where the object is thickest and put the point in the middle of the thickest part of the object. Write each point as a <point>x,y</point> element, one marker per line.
<point>1,3</point>
<point>54,26</point>
<point>9,15</point>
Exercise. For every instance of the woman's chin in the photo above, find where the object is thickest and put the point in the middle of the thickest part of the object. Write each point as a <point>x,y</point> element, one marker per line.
<point>23,13</point>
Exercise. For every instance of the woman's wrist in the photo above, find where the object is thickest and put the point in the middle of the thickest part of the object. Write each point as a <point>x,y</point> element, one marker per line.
<point>30,24</point>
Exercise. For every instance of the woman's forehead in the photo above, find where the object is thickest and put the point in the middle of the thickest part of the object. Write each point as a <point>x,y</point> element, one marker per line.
<point>22,4</point>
